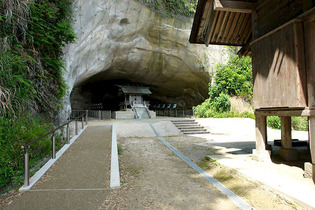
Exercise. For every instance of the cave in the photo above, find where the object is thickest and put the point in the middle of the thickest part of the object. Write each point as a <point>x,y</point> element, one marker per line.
<point>103,92</point>
<point>116,47</point>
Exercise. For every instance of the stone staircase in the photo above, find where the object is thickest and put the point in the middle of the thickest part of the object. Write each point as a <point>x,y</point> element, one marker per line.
<point>141,113</point>
<point>189,127</point>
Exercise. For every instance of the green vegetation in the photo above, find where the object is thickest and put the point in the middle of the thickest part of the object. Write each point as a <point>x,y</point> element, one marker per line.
<point>119,149</point>
<point>298,123</point>
<point>32,35</point>
<point>235,79</point>
<point>231,79</point>
<point>173,8</point>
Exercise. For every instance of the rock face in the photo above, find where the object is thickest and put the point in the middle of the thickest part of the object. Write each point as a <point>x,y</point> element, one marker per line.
<point>122,41</point>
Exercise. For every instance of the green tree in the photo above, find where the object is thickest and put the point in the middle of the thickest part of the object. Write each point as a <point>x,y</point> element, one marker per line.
<point>235,77</point>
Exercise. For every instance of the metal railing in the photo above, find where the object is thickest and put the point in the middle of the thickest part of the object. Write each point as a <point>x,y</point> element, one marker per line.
<point>98,114</point>
<point>174,112</point>
<point>27,146</point>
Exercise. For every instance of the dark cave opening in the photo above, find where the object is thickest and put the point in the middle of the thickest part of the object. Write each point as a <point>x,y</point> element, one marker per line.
<point>104,92</point>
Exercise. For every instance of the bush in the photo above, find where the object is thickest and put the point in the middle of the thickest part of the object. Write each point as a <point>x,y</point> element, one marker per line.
<point>235,77</point>
<point>300,123</point>
<point>222,103</point>
<point>274,122</point>
<point>297,123</point>
<point>14,133</point>
<point>232,79</point>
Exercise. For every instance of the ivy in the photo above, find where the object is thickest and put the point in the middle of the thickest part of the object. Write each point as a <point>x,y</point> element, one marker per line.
<point>32,35</point>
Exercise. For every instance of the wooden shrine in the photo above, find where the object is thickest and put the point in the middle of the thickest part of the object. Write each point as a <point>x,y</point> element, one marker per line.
<point>280,37</point>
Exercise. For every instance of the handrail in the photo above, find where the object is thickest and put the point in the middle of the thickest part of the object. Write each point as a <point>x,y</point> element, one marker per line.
<point>137,116</point>
<point>53,156</point>
<point>52,131</point>
<point>148,111</point>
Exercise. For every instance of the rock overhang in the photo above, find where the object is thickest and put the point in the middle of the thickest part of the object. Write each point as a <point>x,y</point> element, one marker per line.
<point>129,42</point>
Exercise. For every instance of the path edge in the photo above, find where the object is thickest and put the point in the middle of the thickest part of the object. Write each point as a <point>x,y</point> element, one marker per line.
<point>114,166</point>
<point>51,162</point>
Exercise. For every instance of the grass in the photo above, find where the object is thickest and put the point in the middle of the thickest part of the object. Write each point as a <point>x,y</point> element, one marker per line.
<point>119,149</point>
<point>207,163</point>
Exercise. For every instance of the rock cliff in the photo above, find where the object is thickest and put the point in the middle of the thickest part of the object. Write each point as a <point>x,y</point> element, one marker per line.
<point>123,41</point>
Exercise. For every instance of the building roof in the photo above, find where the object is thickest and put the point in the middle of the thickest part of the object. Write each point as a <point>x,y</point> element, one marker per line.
<point>223,22</point>
<point>126,89</point>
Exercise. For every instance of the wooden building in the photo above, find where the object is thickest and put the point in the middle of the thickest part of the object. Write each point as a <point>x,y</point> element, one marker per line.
<point>134,96</point>
<point>280,37</point>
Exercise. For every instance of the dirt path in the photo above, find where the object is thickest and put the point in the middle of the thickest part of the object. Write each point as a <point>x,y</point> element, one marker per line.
<point>79,180</point>
<point>252,191</point>
<point>153,177</point>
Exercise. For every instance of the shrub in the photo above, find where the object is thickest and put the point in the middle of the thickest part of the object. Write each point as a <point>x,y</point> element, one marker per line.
<point>297,123</point>
<point>13,134</point>
<point>235,77</point>
<point>232,79</point>
<point>300,123</point>
<point>274,122</point>
<point>222,103</point>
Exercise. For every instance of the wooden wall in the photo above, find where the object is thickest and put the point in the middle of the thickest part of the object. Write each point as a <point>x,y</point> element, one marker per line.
<point>309,34</point>
<point>279,69</point>
<point>274,13</point>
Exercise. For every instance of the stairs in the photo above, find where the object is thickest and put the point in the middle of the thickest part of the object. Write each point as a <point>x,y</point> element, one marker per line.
<point>142,113</point>
<point>189,127</point>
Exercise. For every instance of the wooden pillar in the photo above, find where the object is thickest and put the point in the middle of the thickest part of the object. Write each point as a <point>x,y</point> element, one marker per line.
<point>261,153</point>
<point>261,132</point>
<point>287,152</point>
<point>312,144</point>
<point>286,133</point>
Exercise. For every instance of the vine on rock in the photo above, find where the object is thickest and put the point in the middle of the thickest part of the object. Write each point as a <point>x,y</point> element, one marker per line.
<point>173,8</point>
<point>32,35</point>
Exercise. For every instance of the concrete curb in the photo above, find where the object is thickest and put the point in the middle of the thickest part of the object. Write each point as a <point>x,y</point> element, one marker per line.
<point>114,166</point>
<point>50,163</point>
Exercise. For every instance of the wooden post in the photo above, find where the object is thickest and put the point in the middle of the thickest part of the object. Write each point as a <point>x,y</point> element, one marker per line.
<point>286,133</point>
<point>287,152</point>
<point>261,132</point>
<point>261,153</point>
<point>312,143</point>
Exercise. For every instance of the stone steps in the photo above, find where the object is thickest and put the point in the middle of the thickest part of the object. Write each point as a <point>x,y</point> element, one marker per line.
<point>184,123</point>
<point>196,132</point>
<point>189,127</point>
<point>194,129</point>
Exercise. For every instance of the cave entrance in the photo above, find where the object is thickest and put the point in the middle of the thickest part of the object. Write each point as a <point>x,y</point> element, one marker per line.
<point>107,95</point>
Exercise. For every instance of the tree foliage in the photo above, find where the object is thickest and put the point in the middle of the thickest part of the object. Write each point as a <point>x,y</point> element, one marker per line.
<point>231,79</point>
<point>235,78</point>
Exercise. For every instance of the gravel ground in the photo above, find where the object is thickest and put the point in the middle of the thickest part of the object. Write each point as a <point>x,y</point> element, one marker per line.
<point>153,177</point>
